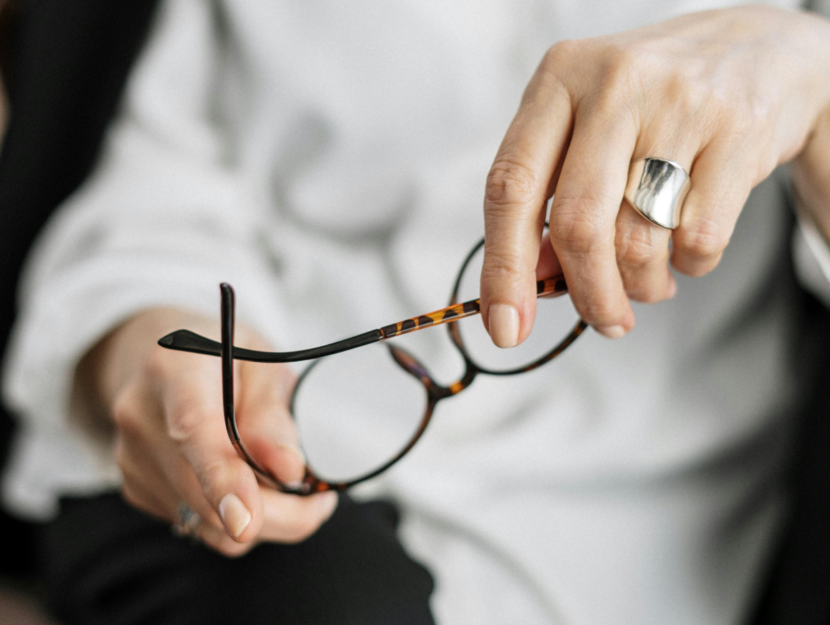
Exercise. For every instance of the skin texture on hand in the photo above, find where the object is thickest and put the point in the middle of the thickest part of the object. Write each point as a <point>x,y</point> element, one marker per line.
<point>170,439</point>
<point>811,176</point>
<point>728,94</point>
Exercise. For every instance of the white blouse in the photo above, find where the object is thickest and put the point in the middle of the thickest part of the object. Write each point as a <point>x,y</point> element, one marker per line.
<point>328,159</point>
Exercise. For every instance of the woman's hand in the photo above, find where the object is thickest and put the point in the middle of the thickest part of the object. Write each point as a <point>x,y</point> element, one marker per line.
<point>170,439</point>
<point>728,94</point>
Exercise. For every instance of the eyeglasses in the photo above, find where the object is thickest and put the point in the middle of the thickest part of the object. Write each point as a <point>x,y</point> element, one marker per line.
<point>356,412</point>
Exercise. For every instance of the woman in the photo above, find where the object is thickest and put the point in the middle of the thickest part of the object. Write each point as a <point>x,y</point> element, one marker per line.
<point>323,158</point>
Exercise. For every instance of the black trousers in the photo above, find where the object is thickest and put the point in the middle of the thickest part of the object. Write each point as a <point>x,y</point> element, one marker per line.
<point>104,562</point>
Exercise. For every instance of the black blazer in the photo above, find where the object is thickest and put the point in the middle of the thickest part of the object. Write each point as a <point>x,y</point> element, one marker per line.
<point>65,63</point>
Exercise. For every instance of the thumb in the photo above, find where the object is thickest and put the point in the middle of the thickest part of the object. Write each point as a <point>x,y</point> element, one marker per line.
<point>265,423</point>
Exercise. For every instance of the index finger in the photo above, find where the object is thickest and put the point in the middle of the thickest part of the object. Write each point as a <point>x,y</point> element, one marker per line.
<point>593,163</point>
<point>195,422</point>
<point>514,208</point>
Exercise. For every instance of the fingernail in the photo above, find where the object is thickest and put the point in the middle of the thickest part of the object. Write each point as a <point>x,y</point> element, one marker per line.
<point>295,451</point>
<point>504,325</point>
<point>612,332</point>
<point>234,514</point>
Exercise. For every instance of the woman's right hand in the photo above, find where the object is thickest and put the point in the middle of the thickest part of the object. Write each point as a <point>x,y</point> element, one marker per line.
<point>170,438</point>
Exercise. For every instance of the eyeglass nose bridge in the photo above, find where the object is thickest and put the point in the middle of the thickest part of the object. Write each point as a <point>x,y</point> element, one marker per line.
<point>435,391</point>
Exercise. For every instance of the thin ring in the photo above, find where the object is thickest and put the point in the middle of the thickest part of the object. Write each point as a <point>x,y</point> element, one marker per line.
<point>187,522</point>
<point>656,189</point>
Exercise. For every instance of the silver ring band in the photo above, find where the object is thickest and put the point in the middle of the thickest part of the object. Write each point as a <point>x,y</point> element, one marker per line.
<point>656,189</point>
<point>187,522</point>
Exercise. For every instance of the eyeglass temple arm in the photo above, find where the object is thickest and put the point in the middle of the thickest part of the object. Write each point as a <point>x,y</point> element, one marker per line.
<point>187,341</point>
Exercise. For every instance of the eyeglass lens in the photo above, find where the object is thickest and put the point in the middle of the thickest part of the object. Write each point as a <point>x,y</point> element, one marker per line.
<point>356,411</point>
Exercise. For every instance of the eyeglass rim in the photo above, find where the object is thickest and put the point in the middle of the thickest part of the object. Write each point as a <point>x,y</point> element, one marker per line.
<point>434,395</point>
<point>435,392</point>
<point>455,333</point>
<point>311,483</point>
<point>187,341</point>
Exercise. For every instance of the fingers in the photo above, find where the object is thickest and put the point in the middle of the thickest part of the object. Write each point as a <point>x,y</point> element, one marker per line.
<point>642,247</point>
<point>156,477</point>
<point>607,251</point>
<point>218,540</point>
<point>290,519</point>
<point>592,107</point>
<point>584,210</point>
<point>514,207</point>
<point>187,457</point>
<point>643,257</point>
<point>171,442</point>
<point>548,265</point>
<point>721,180</point>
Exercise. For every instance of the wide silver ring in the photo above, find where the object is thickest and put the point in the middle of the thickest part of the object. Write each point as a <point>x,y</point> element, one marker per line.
<point>187,522</point>
<point>656,188</point>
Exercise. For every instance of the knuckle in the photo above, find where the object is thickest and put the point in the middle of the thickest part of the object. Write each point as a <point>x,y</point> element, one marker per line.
<point>613,106</point>
<point>125,412</point>
<point>501,265</point>
<point>637,250</point>
<point>562,52</point>
<point>741,116</point>
<point>510,183</point>
<point>705,240</point>
<point>184,423</point>
<point>683,96</point>
<point>599,312</point>
<point>621,61</point>
<point>213,477</point>
<point>576,225</point>
<point>551,77</point>
<point>621,71</point>
<point>561,58</point>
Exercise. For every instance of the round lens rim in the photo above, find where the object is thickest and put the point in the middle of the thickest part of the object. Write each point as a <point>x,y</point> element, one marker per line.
<point>433,396</point>
<point>455,333</point>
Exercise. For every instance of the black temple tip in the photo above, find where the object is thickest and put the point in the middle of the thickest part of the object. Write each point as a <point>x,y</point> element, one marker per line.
<point>187,341</point>
<point>168,340</point>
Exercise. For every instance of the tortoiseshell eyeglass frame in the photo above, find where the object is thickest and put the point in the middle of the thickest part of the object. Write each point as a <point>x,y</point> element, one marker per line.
<point>185,340</point>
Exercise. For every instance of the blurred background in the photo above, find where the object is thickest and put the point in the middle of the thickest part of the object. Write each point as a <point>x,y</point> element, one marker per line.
<point>63,67</point>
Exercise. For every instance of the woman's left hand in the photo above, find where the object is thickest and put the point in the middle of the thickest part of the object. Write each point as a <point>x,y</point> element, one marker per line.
<point>728,94</point>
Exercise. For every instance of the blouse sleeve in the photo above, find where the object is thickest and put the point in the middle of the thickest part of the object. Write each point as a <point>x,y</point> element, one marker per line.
<point>163,219</point>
